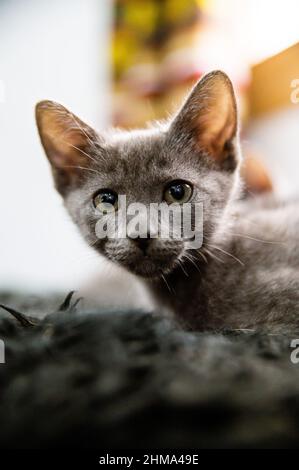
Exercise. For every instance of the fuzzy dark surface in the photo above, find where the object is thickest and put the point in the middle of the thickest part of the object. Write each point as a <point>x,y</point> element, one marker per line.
<point>133,380</point>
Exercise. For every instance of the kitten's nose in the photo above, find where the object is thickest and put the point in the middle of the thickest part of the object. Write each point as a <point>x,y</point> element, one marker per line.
<point>142,242</point>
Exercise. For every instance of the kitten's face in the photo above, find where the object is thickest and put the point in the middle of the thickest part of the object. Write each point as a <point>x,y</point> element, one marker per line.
<point>190,160</point>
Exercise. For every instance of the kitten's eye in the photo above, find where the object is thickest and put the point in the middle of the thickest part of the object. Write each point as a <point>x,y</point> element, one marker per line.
<point>178,191</point>
<point>106,201</point>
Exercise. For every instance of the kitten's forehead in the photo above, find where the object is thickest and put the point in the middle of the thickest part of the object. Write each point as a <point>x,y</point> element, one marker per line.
<point>140,145</point>
<point>137,155</point>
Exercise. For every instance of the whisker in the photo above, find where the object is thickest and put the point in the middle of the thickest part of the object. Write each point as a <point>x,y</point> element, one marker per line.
<point>93,243</point>
<point>81,151</point>
<point>81,129</point>
<point>213,256</point>
<point>82,168</point>
<point>257,239</point>
<point>227,253</point>
<point>246,219</point>
<point>182,267</point>
<point>203,256</point>
<point>186,255</point>
<point>164,279</point>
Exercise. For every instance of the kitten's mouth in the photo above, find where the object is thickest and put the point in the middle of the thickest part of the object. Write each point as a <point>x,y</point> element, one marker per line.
<point>148,260</point>
<point>149,266</point>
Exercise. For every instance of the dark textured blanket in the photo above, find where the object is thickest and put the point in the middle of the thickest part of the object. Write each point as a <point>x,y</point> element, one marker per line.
<point>132,380</point>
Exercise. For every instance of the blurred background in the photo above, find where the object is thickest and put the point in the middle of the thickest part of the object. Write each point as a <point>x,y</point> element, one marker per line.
<point>122,63</point>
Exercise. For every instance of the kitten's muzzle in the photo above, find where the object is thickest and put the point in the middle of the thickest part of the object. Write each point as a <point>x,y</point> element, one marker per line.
<point>142,243</point>
<point>149,257</point>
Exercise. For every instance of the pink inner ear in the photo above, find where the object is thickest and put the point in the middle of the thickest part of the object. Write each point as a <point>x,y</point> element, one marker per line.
<point>64,136</point>
<point>66,141</point>
<point>66,149</point>
<point>217,123</point>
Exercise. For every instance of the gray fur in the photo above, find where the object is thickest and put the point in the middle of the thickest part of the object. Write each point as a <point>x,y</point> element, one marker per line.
<point>246,273</point>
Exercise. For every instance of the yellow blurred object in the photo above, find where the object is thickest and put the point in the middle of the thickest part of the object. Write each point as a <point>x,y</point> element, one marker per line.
<point>141,17</point>
<point>176,11</point>
<point>124,48</point>
<point>270,88</point>
<point>152,55</point>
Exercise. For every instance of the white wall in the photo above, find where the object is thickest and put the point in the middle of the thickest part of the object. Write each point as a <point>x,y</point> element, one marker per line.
<point>258,28</point>
<point>274,139</point>
<point>57,50</point>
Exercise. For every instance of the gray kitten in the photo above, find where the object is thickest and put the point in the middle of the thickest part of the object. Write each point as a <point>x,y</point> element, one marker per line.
<point>245,275</point>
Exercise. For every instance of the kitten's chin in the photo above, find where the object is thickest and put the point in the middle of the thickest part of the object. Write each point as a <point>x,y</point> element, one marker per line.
<point>150,269</point>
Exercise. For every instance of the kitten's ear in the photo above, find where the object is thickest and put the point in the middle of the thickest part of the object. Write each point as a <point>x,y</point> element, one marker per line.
<point>66,140</point>
<point>209,116</point>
